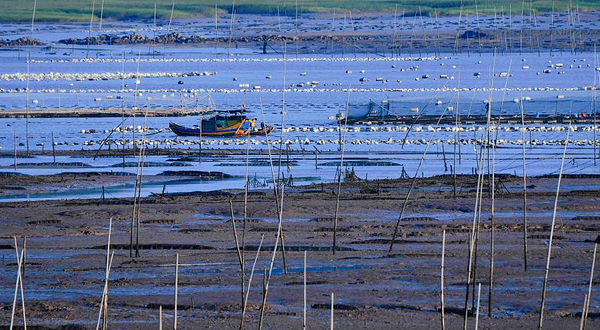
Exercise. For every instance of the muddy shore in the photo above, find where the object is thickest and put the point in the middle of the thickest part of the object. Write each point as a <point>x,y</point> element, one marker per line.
<point>374,289</point>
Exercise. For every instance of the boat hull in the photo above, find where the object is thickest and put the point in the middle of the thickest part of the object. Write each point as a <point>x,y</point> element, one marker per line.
<point>241,128</point>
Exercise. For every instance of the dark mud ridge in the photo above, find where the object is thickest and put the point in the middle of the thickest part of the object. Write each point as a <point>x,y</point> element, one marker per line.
<point>201,174</point>
<point>157,247</point>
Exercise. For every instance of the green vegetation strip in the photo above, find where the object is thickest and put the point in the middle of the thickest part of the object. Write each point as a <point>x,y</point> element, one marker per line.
<point>80,11</point>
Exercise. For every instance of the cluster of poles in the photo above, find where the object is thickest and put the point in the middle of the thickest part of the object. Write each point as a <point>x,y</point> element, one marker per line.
<point>485,159</point>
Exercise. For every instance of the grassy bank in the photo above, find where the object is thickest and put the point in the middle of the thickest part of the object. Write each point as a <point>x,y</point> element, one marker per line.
<point>69,10</point>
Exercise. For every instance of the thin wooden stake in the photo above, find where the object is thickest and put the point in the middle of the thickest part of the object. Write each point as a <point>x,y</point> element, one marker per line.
<point>442,316</point>
<point>15,148</point>
<point>24,258</point>
<point>176,287</point>
<point>524,187</point>
<point>168,30</point>
<point>332,305</point>
<point>304,284</point>
<point>53,149</point>
<point>547,269</point>
<point>477,310</point>
<point>160,317</point>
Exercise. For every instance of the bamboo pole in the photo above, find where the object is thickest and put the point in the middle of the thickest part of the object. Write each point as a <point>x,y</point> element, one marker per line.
<point>524,187</point>
<point>53,149</point>
<point>176,287</point>
<point>342,139</point>
<point>406,199</point>
<point>277,182</point>
<point>442,315</point>
<point>23,257</point>
<point>103,311</point>
<point>474,276</point>
<point>477,311</point>
<point>15,149</point>
<point>239,253</point>
<point>547,269</point>
<point>14,305</point>
<point>589,293</point>
<point>472,237</point>
<point>245,216</point>
<point>478,201</point>
<point>332,306</point>
<point>160,317</point>
<point>90,29</point>
<point>304,291</point>
<point>250,282</point>
<point>594,112</point>
<point>141,177</point>
<point>268,280</point>
<point>493,191</point>
<point>168,30</point>
<point>107,270</point>
<point>585,302</point>
<point>216,31</point>
<point>275,187</point>
<point>100,27</point>
<point>231,27</point>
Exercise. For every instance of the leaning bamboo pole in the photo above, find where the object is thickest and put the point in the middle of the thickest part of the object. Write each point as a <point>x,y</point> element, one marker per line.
<point>268,279</point>
<point>472,236</point>
<point>243,248</point>
<point>342,140</point>
<point>589,293</point>
<point>244,309</point>
<point>277,182</point>
<point>239,252</point>
<point>18,284</point>
<point>585,302</point>
<point>549,254</point>
<point>478,201</point>
<point>140,178</point>
<point>493,191</point>
<point>103,312</point>
<point>107,270</point>
<point>414,180</point>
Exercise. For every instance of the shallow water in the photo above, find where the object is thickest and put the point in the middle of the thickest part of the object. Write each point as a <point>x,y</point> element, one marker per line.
<point>310,111</point>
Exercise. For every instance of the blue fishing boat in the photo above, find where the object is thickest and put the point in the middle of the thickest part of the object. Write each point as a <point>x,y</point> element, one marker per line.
<point>223,124</point>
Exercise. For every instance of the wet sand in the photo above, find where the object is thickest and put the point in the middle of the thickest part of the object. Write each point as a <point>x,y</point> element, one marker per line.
<point>373,288</point>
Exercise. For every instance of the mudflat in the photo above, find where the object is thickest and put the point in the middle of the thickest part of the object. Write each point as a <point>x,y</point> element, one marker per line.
<point>373,288</point>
